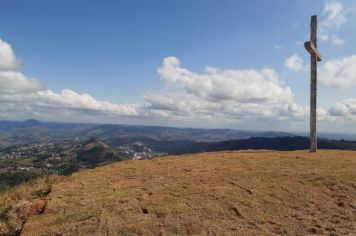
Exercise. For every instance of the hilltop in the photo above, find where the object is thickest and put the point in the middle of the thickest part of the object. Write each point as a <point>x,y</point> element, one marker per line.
<point>231,193</point>
<point>96,151</point>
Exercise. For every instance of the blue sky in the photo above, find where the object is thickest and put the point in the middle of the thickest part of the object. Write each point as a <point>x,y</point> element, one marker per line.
<point>144,62</point>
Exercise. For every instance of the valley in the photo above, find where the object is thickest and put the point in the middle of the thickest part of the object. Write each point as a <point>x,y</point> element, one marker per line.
<point>33,149</point>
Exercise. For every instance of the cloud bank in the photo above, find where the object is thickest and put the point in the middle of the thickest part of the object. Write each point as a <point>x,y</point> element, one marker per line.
<point>238,95</point>
<point>219,96</point>
<point>19,94</point>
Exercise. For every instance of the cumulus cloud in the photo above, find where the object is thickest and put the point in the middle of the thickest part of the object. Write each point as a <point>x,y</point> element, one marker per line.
<point>218,96</point>
<point>8,59</point>
<point>13,82</point>
<point>20,94</point>
<point>244,95</point>
<point>334,15</point>
<point>336,41</point>
<point>29,93</point>
<point>226,85</point>
<point>222,94</point>
<point>339,73</point>
<point>339,109</point>
<point>294,63</point>
<point>345,110</point>
<point>70,99</point>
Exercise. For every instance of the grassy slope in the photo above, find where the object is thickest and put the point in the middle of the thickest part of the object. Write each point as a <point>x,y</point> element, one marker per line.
<point>224,193</point>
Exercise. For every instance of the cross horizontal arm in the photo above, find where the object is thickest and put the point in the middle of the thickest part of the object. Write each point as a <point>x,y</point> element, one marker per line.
<point>310,47</point>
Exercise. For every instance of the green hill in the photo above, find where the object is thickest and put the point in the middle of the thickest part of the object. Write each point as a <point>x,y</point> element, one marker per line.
<point>96,151</point>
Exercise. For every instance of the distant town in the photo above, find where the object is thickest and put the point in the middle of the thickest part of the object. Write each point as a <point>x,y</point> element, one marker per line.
<point>67,156</point>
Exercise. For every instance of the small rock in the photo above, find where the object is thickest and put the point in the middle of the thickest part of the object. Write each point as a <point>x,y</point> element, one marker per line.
<point>144,211</point>
<point>37,206</point>
<point>29,208</point>
<point>237,212</point>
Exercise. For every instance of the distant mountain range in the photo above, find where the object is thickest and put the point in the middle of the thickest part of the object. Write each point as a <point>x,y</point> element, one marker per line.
<point>259,143</point>
<point>12,133</point>
<point>163,139</point>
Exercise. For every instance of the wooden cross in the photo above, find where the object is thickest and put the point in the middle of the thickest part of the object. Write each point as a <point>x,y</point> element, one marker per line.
<point>315,57</point>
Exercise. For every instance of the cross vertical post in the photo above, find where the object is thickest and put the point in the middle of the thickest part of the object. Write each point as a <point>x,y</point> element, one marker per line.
<point>312,47</point>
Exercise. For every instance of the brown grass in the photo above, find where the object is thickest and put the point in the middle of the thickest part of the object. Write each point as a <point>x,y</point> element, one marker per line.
<point>11,222</point>
<point>223,193</point>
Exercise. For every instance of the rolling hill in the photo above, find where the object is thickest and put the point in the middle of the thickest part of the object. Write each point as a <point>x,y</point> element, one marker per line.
<point>162,139</point>
<point>95,151</point>
<point>30,131</point>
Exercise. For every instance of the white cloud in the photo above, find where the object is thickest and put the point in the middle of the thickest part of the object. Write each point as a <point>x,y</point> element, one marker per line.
<point>7,57</point>
<point>322,114</point>
<point>250,97</point>
<point>336,41</point>
<point>294,63</point>
<point>334,15</point>
<point>339,109</point>
<point>224,85</point>
<point>19,93</point>
<point>71,100</point>
<point>239,95</point>
<point>345,110</point>
<point>339,73</point>
<point>226,96</point>
<point>13,82</point>
<point>277,46</point>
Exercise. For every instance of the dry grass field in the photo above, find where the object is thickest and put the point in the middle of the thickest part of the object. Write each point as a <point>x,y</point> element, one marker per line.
<point>223,193</point>
<point>11,219</point>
